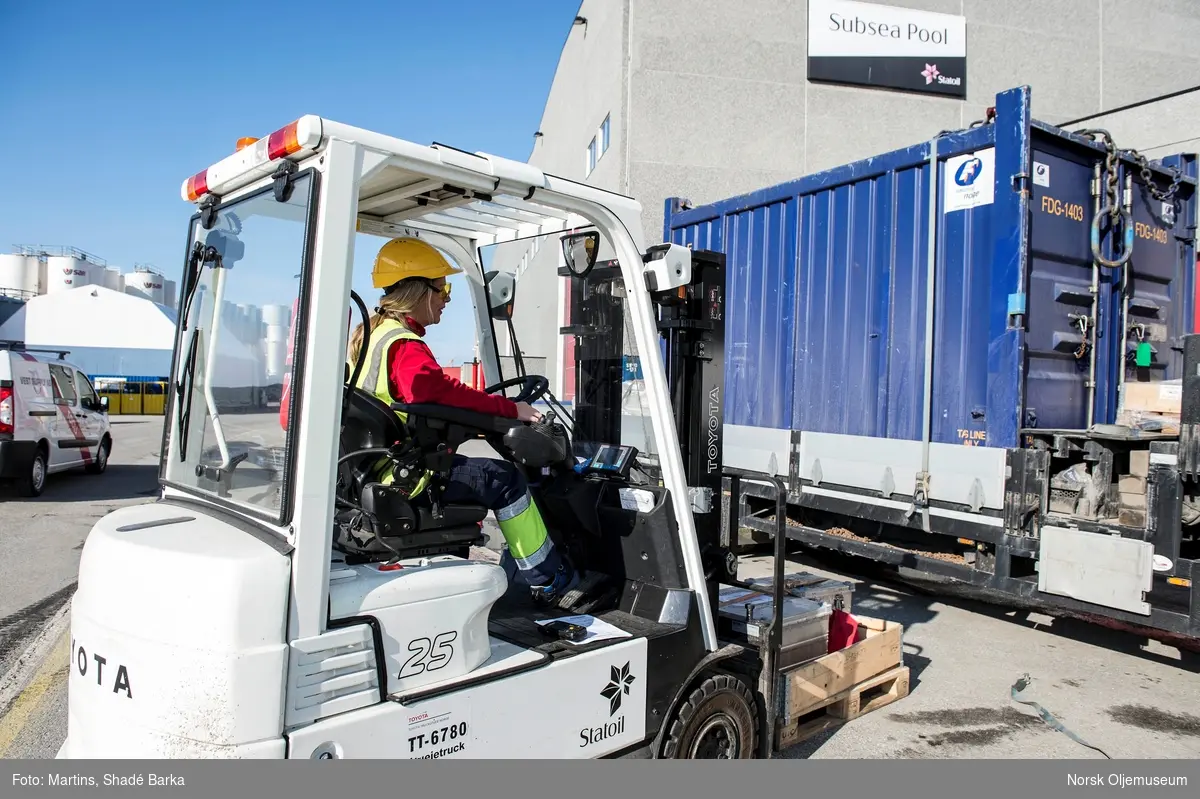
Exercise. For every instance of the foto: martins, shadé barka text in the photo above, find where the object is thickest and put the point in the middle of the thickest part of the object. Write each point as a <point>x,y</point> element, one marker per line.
<point>89,781</point>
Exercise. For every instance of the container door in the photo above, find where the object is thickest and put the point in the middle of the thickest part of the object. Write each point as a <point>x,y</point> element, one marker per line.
<point>1065,291</point>
<point>1155,304</point>
<point>154,399</point>
<point>131,398</point>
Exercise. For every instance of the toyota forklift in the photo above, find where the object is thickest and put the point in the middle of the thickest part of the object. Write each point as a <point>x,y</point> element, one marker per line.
<point>280,600</point>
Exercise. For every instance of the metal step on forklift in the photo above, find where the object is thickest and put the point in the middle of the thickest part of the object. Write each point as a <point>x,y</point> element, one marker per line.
<point>229,618</point>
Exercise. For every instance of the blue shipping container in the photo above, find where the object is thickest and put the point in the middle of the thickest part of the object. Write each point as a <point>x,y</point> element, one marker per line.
<point>828,275</point>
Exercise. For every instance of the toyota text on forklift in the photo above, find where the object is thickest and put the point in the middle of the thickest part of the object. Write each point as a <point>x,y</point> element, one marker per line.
<point>279,601</point>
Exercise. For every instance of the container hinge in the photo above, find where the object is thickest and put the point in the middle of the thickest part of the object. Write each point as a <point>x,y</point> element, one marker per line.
<point>1020,183</point>
<point>701,499</point>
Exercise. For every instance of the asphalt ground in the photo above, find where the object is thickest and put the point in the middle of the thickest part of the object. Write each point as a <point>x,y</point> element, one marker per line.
<point>40,544</point>
<point>1119,693</point>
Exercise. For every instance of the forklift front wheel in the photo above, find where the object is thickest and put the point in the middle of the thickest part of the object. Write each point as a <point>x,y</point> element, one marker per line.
<point>718,721</point>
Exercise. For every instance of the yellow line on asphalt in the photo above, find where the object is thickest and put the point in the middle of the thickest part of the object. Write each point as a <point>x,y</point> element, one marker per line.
<point>54,668</point>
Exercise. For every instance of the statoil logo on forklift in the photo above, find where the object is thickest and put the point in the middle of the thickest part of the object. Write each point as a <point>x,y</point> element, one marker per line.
<point>617,686</point>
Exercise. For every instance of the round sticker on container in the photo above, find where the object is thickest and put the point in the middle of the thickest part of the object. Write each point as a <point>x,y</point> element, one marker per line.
<point>1162,564</point>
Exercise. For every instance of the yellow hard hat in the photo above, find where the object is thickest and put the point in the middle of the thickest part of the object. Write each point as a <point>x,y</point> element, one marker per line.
<point>407,257</point>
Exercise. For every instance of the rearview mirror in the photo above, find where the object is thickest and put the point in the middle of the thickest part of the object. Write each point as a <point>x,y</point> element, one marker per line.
<point>228,245</point>
<point>579,251</point>
<point>501,290</point>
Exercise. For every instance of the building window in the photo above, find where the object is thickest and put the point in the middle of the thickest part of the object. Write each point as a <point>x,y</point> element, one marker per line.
<point>591,157</point>
<point>598,146</point>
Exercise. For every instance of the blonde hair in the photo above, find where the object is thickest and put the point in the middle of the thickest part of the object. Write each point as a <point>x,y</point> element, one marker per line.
<point>399,302</point>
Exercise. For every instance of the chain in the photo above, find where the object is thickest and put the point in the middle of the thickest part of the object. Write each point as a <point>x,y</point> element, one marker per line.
<point>1112,206</point>
<point>1148,177</point>
<point>1112,191</point>
<point>1110,166</point>
<point>1084,323</point>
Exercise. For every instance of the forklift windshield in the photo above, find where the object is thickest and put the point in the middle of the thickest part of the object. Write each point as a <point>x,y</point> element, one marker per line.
<point>575,332</point>
<point>241,281</point>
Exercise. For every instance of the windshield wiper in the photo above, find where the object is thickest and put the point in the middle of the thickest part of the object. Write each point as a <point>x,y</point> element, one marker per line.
<point>183,394</point>
<point>191,280</point>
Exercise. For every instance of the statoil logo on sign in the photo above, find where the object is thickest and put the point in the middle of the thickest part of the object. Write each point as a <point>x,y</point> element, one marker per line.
<point>931,73</point>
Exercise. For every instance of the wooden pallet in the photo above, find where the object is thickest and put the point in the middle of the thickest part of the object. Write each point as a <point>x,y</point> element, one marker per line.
<point>834,711</point>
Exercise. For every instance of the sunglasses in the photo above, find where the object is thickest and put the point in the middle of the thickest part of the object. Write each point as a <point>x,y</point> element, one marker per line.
<point>444,289</point>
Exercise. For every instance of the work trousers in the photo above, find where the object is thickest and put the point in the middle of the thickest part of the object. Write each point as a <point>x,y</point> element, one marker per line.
<point>501,487</point>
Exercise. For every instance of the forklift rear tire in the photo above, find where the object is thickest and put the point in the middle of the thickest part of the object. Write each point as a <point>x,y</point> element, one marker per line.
<point>718,721</point>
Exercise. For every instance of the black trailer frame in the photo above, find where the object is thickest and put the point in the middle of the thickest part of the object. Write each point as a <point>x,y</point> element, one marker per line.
<point>1001,558</point>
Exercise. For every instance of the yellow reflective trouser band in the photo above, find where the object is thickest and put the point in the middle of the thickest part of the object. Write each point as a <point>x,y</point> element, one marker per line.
<point>525,533</point>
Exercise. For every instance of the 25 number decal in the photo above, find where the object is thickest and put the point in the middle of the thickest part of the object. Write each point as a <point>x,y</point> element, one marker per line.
<point>429,655</point>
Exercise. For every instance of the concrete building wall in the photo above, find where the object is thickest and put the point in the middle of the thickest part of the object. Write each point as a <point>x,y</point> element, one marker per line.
<point>1156,129</point>
<point>708,100</point>
<point>721,104</point>
<point>589,86</point>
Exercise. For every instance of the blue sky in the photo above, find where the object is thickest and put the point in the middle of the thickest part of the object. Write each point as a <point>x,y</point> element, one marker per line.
<point>108,108</point>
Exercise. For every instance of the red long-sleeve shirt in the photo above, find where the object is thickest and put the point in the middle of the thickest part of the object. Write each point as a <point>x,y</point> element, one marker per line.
<point>414,376</point>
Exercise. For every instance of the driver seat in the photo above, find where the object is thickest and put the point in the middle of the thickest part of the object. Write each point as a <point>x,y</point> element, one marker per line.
<point>377,521</point>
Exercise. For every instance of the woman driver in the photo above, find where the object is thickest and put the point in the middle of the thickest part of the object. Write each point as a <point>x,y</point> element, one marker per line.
<point>413,276</point>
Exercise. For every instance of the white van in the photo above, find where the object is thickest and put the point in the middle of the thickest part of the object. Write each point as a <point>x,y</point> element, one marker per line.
<point>51,418</point>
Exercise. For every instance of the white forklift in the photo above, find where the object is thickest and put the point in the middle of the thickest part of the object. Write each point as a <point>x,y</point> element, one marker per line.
<point>251,612</point>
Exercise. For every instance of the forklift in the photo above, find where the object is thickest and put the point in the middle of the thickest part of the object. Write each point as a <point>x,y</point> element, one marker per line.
<point>278,600</point>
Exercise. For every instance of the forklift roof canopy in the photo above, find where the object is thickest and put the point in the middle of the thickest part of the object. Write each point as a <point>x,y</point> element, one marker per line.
<point>435,188</point>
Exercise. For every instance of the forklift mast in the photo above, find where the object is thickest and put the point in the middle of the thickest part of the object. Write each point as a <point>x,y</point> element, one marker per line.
<point>692,324</point>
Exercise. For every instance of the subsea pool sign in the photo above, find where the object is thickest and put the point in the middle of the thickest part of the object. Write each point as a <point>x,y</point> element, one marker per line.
<point>866,44</point>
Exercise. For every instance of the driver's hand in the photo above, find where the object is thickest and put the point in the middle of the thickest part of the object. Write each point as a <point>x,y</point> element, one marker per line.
<point>527,413</point>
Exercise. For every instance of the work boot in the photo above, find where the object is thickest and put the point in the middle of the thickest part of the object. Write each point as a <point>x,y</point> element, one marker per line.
<point>566,578</point>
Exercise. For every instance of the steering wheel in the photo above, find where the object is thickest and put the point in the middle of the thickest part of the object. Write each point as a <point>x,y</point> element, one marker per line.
<point>533,387</point>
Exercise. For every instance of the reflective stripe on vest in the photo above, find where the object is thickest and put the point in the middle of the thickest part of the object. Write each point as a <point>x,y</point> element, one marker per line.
<point>374,378</point>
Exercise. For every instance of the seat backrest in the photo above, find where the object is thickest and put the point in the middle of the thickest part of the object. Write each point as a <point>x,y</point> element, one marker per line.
<point>369,422</point>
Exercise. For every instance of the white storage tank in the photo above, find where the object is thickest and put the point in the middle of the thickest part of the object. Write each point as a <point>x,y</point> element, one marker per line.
<point>276,360</point>
<point>144,283</point>
<point>112,278</point>
<point>277,316</point>
<point>255,330</point>
<point>170,293</point>
<point>38,262</point>
<point>246,324</point>
<point>65,272</point>
<point>18,275</point>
